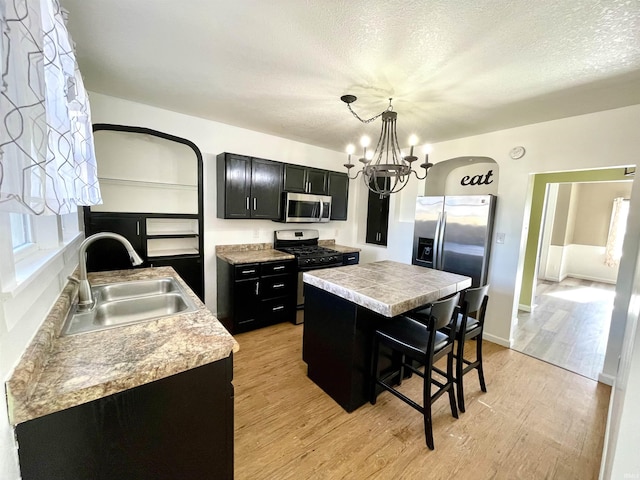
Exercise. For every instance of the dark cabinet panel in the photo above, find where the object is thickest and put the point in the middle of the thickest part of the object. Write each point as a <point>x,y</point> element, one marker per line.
<point>190,270</point>
<point>377,217</point>
<point>317,181</point>
<point>339,191</point>
<point>177,427</point>
<point>300,179</point>
<point>108,254</point>
<point>234,186</point>
<point>256,295</point>
<point>266,185</point>
<point>295,178</point>
<point>248,187</point>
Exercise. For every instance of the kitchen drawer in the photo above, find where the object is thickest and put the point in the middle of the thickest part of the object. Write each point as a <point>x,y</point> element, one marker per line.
<point>277,310</point>
<point>277,268</point>
<point>247,270</point>
<point>278,286</point>
<point>351,258</point>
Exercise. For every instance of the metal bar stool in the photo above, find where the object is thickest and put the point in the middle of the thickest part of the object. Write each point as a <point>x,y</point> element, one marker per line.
<point>422,343</point>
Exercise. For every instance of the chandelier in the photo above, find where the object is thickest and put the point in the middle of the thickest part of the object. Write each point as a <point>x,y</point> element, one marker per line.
<point>386,171</point>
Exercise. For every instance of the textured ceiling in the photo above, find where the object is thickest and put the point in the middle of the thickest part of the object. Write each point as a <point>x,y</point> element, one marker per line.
<point>453,68</point>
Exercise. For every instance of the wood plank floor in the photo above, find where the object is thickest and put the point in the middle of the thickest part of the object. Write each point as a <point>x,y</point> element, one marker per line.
<point>569,327</point>
<point>536,421</point>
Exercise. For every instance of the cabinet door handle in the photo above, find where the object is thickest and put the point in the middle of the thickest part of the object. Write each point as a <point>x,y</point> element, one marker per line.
<point>247,203</point>
<point>279,267</point>
<point>249,271</point>
<point>257,288</point>
<point>279,307</point>
<point>255,203</point>
<point>138,228</point>
<point>351,258</point>
<point>278,285</point>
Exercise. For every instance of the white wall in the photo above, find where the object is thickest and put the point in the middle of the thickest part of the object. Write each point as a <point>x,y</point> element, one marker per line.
<point>622,439</point>
<point>213,138</point>
<point>602,139</point>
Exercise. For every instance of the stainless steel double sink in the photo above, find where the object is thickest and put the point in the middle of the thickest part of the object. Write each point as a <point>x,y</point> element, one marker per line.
<point>127,303</point>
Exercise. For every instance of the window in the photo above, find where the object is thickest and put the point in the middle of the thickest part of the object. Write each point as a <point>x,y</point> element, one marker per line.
<point>617,229</point>
<point>20,230</point>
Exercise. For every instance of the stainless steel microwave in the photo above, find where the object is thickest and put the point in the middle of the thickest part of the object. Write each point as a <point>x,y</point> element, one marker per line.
<point>305,208</point>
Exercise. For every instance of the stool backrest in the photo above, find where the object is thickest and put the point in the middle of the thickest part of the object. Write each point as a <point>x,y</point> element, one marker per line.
<point>442,311</point>
<point>477,299</point>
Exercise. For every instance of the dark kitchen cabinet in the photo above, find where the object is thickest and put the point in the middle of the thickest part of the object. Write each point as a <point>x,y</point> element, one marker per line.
<point>300,179</point>
<point>177,427</point>
<point>255,295</point>
<point>339,191</point>
<point>248,187</point>
<point>377,217</point>
<point>171,240</point>
<point>108,254</point>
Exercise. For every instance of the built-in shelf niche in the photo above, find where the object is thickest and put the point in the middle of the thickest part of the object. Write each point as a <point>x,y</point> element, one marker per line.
<point>145,174</point>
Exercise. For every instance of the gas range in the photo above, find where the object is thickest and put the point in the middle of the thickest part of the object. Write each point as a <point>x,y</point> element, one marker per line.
<point>304,245</point>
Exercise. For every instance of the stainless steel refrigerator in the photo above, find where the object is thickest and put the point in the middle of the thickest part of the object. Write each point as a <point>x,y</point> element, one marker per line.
<point>453,234</point>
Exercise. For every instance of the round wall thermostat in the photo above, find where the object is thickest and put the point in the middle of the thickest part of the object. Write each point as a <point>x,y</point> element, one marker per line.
<point>517,152</point>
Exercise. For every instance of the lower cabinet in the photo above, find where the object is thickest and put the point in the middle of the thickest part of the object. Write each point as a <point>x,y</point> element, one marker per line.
<point>255,295</point>
<point>177,427</point>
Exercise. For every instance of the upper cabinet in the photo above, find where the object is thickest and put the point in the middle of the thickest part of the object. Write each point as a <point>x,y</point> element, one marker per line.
<point>378,216</point>
<point>339,191</point>
<point>248,187</point>
<point>300,179</point>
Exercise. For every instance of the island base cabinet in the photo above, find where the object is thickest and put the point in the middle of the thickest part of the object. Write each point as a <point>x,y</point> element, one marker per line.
<point>177,427</point>
<point>337,345</point>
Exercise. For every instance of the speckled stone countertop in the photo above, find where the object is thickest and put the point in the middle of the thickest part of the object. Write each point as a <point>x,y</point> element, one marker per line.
<point>250,253</point>
<point>56,372</point>
<point>386,287</point>
<point>264,252</point>
<point>338,248</point>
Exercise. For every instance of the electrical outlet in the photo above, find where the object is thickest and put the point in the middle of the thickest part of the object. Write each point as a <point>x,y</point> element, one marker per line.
<point>500,237</point>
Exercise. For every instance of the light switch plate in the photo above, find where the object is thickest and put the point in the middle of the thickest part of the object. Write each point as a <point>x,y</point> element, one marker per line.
<point>499,237</point>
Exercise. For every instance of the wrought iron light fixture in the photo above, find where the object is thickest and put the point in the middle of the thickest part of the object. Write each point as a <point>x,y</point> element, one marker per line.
<point>386,171</point>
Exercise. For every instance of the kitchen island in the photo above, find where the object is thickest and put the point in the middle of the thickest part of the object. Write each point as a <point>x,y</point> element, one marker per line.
<point>343,308</point>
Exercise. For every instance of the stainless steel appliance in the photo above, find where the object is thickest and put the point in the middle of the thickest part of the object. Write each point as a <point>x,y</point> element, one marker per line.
<point>309,256</point>
<point>453,233</point>
<point>305,208</point>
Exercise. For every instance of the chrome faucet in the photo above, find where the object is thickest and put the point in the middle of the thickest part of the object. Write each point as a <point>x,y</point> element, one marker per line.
<point>85,297</point>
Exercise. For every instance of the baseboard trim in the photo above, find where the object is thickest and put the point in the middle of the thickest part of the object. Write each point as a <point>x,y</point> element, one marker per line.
<point>498,340</point>
<point>592,279</point>
<point>525,308</point>
<point>606,379</point>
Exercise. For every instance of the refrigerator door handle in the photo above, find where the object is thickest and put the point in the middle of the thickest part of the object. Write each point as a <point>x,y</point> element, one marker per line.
<point>441,232</point>
<point>436,243</point>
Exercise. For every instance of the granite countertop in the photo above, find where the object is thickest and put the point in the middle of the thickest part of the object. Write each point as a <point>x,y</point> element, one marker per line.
<point>264,252</point>
<point>386,287</point>
<point>338,248</point>
<point>56,372</point>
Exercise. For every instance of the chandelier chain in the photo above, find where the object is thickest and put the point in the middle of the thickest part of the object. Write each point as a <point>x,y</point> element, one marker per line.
<point>389,108</point>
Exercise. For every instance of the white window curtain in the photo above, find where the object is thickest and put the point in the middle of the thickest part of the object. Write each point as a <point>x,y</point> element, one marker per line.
<point>47,158</point>
<point>617,229</point>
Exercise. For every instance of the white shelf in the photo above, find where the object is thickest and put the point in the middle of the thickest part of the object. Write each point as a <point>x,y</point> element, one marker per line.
<point>172,226</point>
<point>172,252</point>
<point>144,184</point>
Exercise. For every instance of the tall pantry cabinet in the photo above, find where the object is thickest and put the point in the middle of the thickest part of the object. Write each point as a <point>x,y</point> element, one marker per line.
<point>152,192</point>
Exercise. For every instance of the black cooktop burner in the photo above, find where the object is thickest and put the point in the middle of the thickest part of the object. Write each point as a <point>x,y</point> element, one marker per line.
<point>308,251</point>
